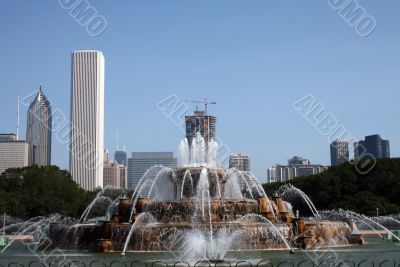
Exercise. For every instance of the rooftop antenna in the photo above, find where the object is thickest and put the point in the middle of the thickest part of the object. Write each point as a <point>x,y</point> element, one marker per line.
<point>205,102</point>
<point>17,134</point>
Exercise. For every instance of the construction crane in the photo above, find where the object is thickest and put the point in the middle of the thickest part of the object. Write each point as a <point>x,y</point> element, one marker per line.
<point>205,102</point>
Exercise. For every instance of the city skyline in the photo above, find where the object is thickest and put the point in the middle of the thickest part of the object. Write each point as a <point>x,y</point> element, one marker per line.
<point>262,82</point>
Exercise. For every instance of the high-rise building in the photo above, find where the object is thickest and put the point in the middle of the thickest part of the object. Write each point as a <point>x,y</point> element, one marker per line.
<point>111,174</point>
<point>105,155</point>
<point>123,172</point>
<point>200,122</point>
<point>240,162</point>
<point>142,161</point>
<point>38,130</point>
<point>339,152</point>
<point>13,153</point>
<point>374,145</point>
<point>87,118</point>
<point>296,168</point>
<point>120,157</point>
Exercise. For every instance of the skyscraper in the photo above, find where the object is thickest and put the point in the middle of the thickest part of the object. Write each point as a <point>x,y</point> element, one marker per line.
<point>200,122</point>
<point>339,152</point>
<point>112,175</point>
<point>87,118</point>
<point>38,130</point>
<point>142,161</point>
<point>123,172</point>
<point>374,145</point>
<point>120,157</point>
<point>240,162</point>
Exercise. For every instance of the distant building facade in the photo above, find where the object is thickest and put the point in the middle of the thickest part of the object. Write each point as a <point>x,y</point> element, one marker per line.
<point>142,161</point>
<point>296,160</point>
<point>374,145</point>
<point>13,153</point>
<point>200,122</point>
<point>111,174</point>
<point>8,137</point>
<point>339,152</point>
<point>121,157</point>
<point>38,130</point>
<point>123,174</point>
<point>297,167</point>
<point>240,162</point>
<point>87,119</point>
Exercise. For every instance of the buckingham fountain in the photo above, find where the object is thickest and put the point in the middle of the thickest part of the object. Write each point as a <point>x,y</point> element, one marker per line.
<point>201,210</point>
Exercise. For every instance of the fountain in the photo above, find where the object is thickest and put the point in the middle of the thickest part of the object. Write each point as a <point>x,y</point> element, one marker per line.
<point>200,211</point>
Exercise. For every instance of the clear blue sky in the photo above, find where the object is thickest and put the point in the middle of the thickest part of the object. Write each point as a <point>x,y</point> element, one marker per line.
<point>255,58</point>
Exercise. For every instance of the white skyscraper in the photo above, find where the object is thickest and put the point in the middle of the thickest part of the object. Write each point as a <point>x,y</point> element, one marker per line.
<point>87,118</point>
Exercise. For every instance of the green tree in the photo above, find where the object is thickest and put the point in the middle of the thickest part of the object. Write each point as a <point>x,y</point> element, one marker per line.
<point>40,191</point>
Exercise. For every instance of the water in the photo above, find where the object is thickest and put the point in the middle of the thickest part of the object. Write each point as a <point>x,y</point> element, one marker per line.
<point>268,226</point>
<point>292,194</point>
<point>199,246</point>
<point>103,197</point>
<point>375,250</point>
<point>144,219</point>
<point>373,222</point>
<point>198,153</point>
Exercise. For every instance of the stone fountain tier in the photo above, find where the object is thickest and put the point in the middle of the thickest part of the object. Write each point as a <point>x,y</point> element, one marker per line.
<point>220,210</point>
<point>182,211</point>
<point>316,234</point>
<point>110,236</point>
<point>221,173</point>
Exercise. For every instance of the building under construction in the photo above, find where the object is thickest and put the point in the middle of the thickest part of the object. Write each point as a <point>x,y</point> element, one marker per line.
<point>200,122</point>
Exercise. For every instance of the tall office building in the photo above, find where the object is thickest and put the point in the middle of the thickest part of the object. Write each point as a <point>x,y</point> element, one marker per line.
<point>105,155</point>
<point>38,130</point>
<point>374,145</point>
<point>339,152</point>
<point>13,153</point>
<point>200,122</point>
<point>120,157</point>
<point>240,162</point>
<point>142,161</point>
<point>123,174</point>
<point>111,174</point>
<point>87,118</point>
